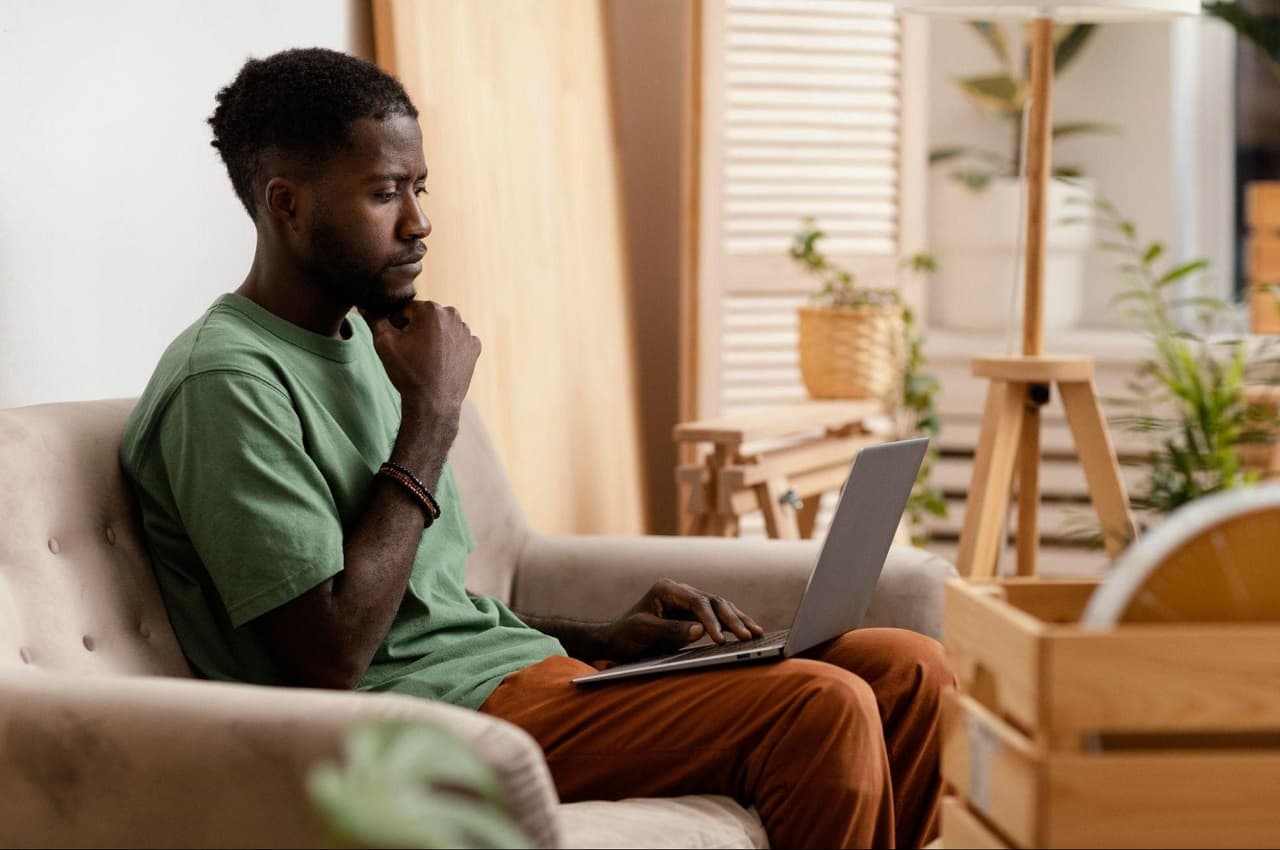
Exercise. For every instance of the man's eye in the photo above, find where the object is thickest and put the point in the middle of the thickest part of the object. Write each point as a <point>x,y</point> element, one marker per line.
<point>420,191</point>
<point>386,196</point>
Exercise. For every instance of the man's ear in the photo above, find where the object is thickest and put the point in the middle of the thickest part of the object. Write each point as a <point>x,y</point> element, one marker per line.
<point>282,200</point>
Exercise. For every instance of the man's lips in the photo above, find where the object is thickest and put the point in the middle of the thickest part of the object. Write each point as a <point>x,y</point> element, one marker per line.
<point>409,259</point>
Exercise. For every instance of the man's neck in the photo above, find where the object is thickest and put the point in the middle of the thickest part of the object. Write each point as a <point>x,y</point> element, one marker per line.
<point>282,290</point>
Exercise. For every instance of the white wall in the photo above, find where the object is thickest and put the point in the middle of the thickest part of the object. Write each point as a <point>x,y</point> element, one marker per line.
<point>118,225</point>
<point>1122,76</point>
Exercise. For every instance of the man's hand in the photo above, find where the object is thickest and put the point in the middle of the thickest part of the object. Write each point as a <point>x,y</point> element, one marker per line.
<point>672,615</point>
<point>429,354</point>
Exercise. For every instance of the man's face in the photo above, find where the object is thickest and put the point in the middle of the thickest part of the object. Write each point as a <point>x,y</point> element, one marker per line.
<point>364,245</point>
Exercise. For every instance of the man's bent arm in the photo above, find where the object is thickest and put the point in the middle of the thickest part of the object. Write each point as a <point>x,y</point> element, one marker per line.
<point>327,636</point>
<point>584,641</point>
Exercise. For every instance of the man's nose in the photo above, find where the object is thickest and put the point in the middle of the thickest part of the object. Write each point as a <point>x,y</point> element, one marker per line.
<point>414,224</point>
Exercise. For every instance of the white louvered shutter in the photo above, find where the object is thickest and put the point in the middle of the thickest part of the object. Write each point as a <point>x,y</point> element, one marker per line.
<point>802,115</point>
<point>807,110</point>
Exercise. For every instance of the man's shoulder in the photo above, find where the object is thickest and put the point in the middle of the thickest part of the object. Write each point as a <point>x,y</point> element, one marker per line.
<point>220,345</point>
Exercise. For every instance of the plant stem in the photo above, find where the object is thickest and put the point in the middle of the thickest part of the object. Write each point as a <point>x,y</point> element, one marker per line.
<point>1017,144</point>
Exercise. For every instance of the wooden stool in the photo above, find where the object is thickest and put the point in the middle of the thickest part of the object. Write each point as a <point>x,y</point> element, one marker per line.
<point>777,460</point>
<point>1010,439</point>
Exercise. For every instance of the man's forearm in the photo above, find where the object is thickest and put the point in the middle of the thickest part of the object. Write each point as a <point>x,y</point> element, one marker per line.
<point>584,641</point>
<point>379,557</point>
<point>328,636</point>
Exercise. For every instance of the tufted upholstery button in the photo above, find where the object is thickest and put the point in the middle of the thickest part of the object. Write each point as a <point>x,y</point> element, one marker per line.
<point>53,545</point>
<point>144,630</point>
<point>25,655</point>
<point>111,536</point>
<point>88,643</point>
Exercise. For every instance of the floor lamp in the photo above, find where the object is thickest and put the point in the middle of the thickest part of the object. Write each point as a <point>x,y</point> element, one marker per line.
<point>1020,385</point>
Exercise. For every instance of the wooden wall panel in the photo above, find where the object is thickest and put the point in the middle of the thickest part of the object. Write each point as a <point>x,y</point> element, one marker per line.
<point>527,240</point>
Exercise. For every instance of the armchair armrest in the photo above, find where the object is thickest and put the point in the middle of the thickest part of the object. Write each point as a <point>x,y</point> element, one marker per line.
<point>588,577</point>
<point>154,762</point>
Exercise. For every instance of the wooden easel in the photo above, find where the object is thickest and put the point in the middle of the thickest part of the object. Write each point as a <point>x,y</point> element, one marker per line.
<point>1020,386</point>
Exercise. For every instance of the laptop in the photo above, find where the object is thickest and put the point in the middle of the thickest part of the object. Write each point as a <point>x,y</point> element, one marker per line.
<point>842,581</point>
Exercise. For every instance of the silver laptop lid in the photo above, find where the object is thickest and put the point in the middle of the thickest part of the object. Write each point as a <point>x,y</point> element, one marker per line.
<point>862,529</point>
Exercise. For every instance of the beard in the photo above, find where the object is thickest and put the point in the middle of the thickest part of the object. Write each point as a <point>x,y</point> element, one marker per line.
<point>345,275</point>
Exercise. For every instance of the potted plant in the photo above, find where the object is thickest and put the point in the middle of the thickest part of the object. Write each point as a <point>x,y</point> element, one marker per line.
<point>851,337</point>
<point>1210,429</point>
<point>862,342</point>
<point>976,219</point>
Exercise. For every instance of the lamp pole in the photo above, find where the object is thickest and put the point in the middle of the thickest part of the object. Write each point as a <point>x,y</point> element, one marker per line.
<point>1039,158</point>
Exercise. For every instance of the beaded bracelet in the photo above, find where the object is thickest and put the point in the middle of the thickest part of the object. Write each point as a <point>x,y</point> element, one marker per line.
<point>430,507</point>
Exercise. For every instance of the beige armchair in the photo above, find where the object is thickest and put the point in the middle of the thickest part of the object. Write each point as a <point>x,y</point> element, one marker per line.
<point>107,739</point>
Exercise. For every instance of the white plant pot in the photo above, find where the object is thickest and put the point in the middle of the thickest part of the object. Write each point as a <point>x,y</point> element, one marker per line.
<point>975,238</point>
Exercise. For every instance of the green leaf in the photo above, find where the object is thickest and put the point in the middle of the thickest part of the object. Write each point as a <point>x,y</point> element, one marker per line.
<point>1259,29</point>
<point>1068,46</point>
<point>993,36</point>
<point>1153,251</point>
<point>991,157</point>
<point>1181,271</point>
<point>999,93</point>
<point>973,180</point>
<point>1080,128</point>
<point>412,785</point>
<point>1203,302</point>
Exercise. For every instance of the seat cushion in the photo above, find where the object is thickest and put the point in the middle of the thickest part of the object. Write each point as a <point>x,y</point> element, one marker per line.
<point>694,821</point>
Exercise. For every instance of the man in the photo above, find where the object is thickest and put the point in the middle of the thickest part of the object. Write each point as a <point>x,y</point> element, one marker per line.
<point>288,453</point>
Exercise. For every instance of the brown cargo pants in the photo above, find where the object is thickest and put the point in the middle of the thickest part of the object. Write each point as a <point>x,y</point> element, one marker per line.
<point>836,749</point>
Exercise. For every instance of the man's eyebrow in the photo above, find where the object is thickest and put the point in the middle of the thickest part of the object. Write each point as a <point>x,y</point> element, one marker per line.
<point>399,177</point>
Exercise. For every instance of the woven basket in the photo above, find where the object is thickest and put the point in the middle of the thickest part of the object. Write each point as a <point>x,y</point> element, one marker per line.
<point>851,352</point>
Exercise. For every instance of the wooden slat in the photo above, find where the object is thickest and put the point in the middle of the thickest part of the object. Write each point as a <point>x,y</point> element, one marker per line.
<point>868,8</point>
<point>821,24</point>
<point>1059,520</point>
<point>1056,561</point>
<point>885,45</point>
<point>960,434</point>
<point>800,458</point>
<point>824,79</point>
<point>1262,205</point>
<point>995,652</point>
<point>831,118</point>
<point>1059,477</point>
<point>1163,799</point>
<point>765,58</point>
<point>961,828</point>
<point>1050,600</point>
<point>1176,679</point>
<point>777,422</point>
<point>991,766</point>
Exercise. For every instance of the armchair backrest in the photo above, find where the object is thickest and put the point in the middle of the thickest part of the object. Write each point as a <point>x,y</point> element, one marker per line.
<point>77,593</point>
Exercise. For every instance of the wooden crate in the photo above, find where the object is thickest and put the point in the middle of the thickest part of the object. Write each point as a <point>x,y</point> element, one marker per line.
<point>1140,736</point>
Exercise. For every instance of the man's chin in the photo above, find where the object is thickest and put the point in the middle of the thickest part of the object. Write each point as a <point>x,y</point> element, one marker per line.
<point>387,303</point>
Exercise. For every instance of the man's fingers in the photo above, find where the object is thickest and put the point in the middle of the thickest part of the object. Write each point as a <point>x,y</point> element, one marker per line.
<point>667,634</point>
<point>729,616</point>
<point>702,609</point>
<point>756,628</point>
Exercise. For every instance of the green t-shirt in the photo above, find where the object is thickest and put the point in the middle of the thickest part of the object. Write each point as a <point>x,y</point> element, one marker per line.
<point>253,452</point>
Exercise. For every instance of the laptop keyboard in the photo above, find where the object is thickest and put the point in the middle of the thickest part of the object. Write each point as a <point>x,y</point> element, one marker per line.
<point>732,646</point>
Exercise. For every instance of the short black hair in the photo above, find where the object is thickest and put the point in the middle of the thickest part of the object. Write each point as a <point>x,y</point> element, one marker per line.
<point>299,102</point>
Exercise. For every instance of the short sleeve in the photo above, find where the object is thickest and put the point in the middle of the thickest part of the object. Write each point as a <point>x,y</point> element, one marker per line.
<point>253,503</point>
